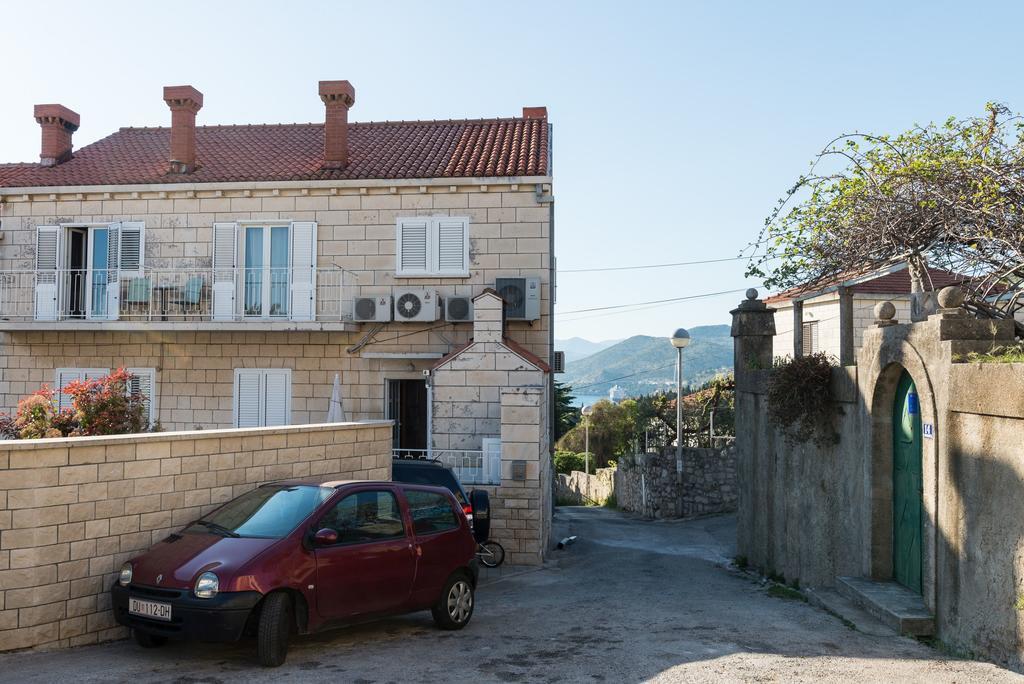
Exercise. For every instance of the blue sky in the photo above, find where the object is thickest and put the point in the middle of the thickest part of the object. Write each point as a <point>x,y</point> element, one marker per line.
<point>677,125</point>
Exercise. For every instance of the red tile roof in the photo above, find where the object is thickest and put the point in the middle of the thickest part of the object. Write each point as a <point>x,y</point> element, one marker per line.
<point>897,282</point>
<point>294,152</point>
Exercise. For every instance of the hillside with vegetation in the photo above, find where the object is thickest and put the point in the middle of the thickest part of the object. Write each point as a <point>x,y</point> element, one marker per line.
<point>650,363</point>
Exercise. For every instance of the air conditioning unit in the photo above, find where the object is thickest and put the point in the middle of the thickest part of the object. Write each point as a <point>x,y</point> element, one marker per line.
<point>522,297</point>
<point>458,309</point>
<point>416,306</point>
<point>375,309</point>
<point>558,362</point>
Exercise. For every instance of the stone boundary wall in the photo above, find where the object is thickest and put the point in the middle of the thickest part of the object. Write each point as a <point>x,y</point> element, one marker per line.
<point>813,513</point>
<point>647,483</point>
<point>73,510</point>
<point>583,488</point>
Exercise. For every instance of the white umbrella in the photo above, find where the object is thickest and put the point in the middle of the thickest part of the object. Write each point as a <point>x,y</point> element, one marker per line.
<point>335,413</point>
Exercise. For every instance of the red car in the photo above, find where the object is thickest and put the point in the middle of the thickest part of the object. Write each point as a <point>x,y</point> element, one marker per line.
<point>300,557</point>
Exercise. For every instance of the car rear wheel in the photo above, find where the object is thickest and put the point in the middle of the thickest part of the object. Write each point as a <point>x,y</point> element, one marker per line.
<point>148,640</point>
<point>454,607</point>
<point>274,627</point>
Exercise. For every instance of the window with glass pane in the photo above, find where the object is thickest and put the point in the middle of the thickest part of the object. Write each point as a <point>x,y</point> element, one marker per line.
<point>278,271</point>
<point>98,270</point>
<point>365,517</point>
<point>266,271</point>
<point>430,512</point>
<point>254,271</point>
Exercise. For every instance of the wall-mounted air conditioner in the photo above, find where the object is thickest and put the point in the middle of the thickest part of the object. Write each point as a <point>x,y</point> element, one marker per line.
<point>458,309</point>
<point>558,362</point>
<point>522,297</point>
<point>416,306</point>
<point>376,309</point>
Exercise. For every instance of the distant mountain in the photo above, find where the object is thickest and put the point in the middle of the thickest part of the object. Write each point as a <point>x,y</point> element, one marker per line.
<point>652,359</point>
<point>576,348</point>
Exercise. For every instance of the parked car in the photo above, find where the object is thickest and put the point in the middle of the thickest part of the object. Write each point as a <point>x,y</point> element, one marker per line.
<point>303,556</point>
<point>429,472</point>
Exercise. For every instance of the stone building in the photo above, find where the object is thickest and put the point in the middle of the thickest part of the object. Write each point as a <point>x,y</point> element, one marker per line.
<point>819,309</point>
<point>238,270</point>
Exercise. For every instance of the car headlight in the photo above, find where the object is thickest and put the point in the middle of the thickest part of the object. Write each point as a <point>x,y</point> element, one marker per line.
<point>207,585</point>
<point>124,578</point>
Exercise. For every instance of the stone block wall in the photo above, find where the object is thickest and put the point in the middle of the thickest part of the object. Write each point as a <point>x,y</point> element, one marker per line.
<point>813,513</point>
<point>73,510</point>
<point>647,483</point>
<point>585,488</point>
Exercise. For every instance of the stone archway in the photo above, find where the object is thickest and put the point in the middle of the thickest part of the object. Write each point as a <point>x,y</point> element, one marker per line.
<point>895,357</point>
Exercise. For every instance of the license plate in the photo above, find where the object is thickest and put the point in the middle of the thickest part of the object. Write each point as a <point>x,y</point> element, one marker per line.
<point>150,609</point>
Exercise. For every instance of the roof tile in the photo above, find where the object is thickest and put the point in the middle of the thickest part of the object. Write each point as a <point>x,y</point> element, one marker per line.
<point>279,152</point>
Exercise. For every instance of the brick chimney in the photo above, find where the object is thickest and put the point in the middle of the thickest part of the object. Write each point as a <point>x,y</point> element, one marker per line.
<point>338,96</point>
<point>535,112</point>
<point>58,123</point>
<point>185,102</point>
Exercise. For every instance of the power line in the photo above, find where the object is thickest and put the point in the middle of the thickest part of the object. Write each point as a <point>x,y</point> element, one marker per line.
<point>656,301</point>
<point>637,268</point>
<point>605,382</point>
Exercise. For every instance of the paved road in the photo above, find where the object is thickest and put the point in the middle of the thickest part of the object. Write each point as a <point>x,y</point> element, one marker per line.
<point>631,601</point>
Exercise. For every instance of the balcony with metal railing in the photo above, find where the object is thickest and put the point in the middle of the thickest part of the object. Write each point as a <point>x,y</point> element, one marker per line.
<point>215,299</point>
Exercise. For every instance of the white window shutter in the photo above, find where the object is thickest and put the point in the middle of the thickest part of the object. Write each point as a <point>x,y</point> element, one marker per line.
<point>113,279</point>
<point>277,394</point>
<point>303,270</point>
<point>65,376</point>
<point>452,246</point>
<point>225,255</point>
<point>144,382</point>
<point>248,395</point>
<point>411,248</point>
<point>47,261</point>
<point>132,248</point>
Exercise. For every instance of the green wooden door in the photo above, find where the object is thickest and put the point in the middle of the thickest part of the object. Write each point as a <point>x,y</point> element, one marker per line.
<point>907,487</point>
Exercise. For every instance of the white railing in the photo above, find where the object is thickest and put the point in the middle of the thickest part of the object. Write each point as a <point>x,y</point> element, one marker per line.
<point>175,295</point>
<point>470,466</point>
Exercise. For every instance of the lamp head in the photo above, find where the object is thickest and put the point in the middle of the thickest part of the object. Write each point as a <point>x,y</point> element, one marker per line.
<point>680,338</point>
<point>587,410</point>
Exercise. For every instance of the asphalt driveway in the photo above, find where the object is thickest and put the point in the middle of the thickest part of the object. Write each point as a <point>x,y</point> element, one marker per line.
<point>631,601</point>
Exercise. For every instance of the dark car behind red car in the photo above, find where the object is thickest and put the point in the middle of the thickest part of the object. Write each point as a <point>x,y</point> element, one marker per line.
<point>300,557</point>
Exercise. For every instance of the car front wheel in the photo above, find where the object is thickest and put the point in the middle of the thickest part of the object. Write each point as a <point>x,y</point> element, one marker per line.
<point>274,627</point>
<point>454,607</point>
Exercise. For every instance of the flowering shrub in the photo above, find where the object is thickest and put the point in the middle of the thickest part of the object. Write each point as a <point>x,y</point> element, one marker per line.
<point>35,416</point>
<point>104,406</point>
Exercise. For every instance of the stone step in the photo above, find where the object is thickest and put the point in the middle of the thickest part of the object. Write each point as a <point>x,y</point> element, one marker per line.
<point>837,604</point>
<point>891,603</point>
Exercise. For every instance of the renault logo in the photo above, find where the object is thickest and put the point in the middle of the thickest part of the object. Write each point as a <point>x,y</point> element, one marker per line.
<point>159,579</point>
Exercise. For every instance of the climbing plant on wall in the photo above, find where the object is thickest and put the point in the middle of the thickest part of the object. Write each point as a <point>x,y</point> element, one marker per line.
<point>800,399</point>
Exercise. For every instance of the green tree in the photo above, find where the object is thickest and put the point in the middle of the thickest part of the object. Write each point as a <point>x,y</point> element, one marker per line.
<point>567,416</point>
<point>950,196</point>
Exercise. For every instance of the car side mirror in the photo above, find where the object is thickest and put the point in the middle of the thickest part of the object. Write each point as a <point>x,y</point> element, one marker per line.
<point>325,537</point>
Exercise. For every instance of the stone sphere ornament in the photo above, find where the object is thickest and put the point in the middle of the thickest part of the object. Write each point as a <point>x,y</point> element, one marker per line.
<point>751,294</point>
<point>951,297</point>
<point>884,311</point>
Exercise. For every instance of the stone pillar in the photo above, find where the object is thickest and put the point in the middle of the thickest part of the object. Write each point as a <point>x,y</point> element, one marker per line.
<point>753,329</point>
<point>846,357</point>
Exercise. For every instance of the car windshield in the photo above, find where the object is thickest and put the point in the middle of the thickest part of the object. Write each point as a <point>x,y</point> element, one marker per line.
<point>271,511</point>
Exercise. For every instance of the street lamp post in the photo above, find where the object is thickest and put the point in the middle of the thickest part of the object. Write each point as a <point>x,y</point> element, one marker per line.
<point>680,338</point>
<point>586,411</point>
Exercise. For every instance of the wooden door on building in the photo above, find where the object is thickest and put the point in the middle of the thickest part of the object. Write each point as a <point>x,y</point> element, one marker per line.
<point>907,485</point>
<point>407,406</point>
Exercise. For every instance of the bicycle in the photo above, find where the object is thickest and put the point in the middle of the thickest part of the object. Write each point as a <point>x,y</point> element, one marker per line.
<point>490,553</point>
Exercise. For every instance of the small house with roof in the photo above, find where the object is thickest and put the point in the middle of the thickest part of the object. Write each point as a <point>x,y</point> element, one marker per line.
<point>811,320</point>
